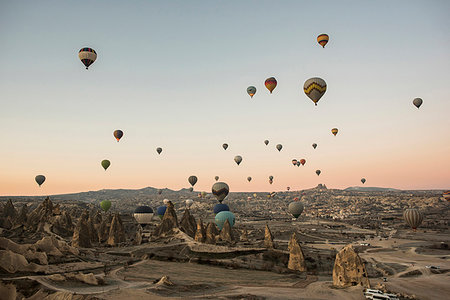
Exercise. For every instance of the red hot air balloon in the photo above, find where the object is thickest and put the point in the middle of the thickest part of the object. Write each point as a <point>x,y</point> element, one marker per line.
<point>271,84</point>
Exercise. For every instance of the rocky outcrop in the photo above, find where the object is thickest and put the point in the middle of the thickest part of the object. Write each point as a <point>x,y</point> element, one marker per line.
<point>23,216</point>
<point>200,233</point>
<point>169,221</point>
<point>92,230</point>
<point>244,235</point>
<point>27,250</point>
<point>9,210</point>
<point>63,225</point>
<point>296,257</point>
<point>211,233</point>
<point>81,238</point>
<point>12,262</point>
<point>138,236</point>
<point>43,214</point>
<point>268,238</point>
<point>188,224</point>
<point>116,232</point>
<point>226,234</point>
<point>349,269</point>
<point>54,247</point>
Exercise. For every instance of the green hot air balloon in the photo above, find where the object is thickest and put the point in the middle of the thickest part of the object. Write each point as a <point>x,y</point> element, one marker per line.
<point>295,208</point>
<point>251,90</point>
<point>220,190</point>
<point>105,164</point>
<point>192,180</point>
<point>105,205</point>
<point>238,159</point>
<point>39,179</point>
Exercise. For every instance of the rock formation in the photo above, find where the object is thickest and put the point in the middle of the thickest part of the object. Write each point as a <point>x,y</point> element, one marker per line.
<point>225,234</point>
<point>138,236</point>
<point>296,257</point>
<point>200,233</point>
<point>244,235</point>
<point>92,230</point>
<point>116,232</point>
<point>268,238</point>
<point>211,233</point>
<point>12,262</point>
<point>349,269</point>
<point>188,224</point>
<point>81,236</point>
<point>23,216</point>
<point>169,221</point>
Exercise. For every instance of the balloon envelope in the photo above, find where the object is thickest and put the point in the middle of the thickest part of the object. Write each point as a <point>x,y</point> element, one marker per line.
<point>446,195</point>
<point>105,164</point>
<point>323,39</point>
<point>189,202</point>
<point>249,179</point>
<point>270,177</point>
<point>143,214</point>
<point>363,180</point>
<point>160,211</point>
<point>216,178</point>
<point>220,190</point>
<point>318,172</point>
<point>159,150</point>
<point>303,161</point>
<point>413,217</point>
<point>266,142</point>
<point>222,217</point>
<point>251,90</point>
<point>118,134</point>
<point>271,84</point>
<point>315,88</point>
<point>417,102</point>
<point>334,131</point>
<point>165,201</point>
<point>87,56</point>
<point>225,146</point>
<point>192,180</point>
<point>39,179</point>
<point>295,208</point>
<point>238,159</point>
<point>220,207</point>
<point>105,205</point>
<point>294,162</point>
<point>279,147</point>
<point>314,145</point>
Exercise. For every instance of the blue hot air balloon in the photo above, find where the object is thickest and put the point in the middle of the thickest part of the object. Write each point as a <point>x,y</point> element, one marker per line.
<point>220,207</point>
<point>160,211</point>
<point>222,217</point>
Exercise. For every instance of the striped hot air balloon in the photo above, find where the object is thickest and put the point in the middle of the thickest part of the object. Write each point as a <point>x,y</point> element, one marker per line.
<point>323,39</point>
<point>413,217</point>
<point>334,131</point>
<point>271,84</point>
<point>315,88</point>
<point>446,195</point>
<point>87,56</point>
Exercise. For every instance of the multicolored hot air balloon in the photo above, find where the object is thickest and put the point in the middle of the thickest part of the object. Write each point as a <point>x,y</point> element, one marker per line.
<point>315,88</point>
<point>271,84</point>
<point>249,179</point>
<point>266,142</point>
<point>87,56</point>
<point>314,145</point>
<point>220,190</point>
<point>159,150</point>
<point>334,131</point>
<point>318,172</point>
<point>225,146</point>
<point>303,161</point>
<point>417,102</point>
<point>166,201</point>
<point>295,208</point>
<point>279,147</point>
<point>294,162</point>
<point>118,134</point>
<point>39,179</point>
<point>105,164</point>
<point>363,180</point>
<point>238,159</point>
<point>216,178</point>
<point>221,218</point>
<point>413,217</point>
<point>323,39</point>
<point>192,180</point>
<point>446,195</point>
<point>251,90</point>
<point>143,214</point>
<point>105,205</point>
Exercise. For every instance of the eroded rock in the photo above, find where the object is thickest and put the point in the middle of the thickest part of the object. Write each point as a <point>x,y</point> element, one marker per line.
<point>296,257</point>
<point>349,269</point>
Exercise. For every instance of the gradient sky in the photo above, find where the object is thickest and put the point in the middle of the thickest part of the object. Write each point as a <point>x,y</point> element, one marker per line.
<point>173,74</point>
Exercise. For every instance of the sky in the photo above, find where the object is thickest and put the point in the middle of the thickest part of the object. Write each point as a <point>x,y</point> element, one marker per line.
<point>174,74</point>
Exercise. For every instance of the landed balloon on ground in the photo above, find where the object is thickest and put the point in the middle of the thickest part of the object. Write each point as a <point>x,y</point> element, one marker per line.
<point>271,84</point>
<point>192,180</point>
<point>251,90</point>
<point>220,207</point>
<point>225,146</point>
<point>220,190</point>
<point>39,179</point>
<point>334,131</point>
<point>323,39</point>
<point>417,102</point>
<point>160,211</point>
<point>314,145</point>
<point>266,142</point>
<point>318,172</point>
<point>118,134</point>
<point>295,208</point>
<point>87,56</point>
<point>143,214</point>
<point>189,202</point>
<point>105,205</point>
<point>315,88</point>
<point>105,164</point>
<point>363,180</point>
<point>279,147</point>
<point>222,217</point>
<point>413,217</point>
<point>159,150</point>
<point>238,159</point>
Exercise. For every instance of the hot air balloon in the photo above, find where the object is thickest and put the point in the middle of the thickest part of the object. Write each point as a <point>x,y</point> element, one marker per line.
<point>279,147</point>
<point>160,211</point>
<point>220,207</point>
<point>222,217</point>
<point>363,180</point>
<point>295,208</point>
<point>189,203</point>
<point>87,56</point>
<point>314,88</point>
<point>288,188</point>
<point>216,178</point>
<point>192,180</point>
<point>249,179</point>
<point>251,90</point>
<point>225,146</point>
<point>446,195</point>
<point>203,194</point>
<point>298,163</point>
<point>271,84</point>
<point>143,214</point>
<point>105,164</point>
<point>159,150</point>
<point>270,181</point>
<point>334,131</point>
<point>39,179</point>
<point>294,162</point>
<point>238,159</point>
<point>314,145</point>
<point>166,201</point>
<point>105,205</point>
<point>191,189</point>
<point>271,177</point>
<point>318,172</point>
<point>413,217</point>
<point>255,195</point>
<point>249,198</point>
<point>322,39</point>
<point>220,190</point>
<point>296,199</point>
<point>266,142</point>
<point>118,134</point>
<point>417,102</point>
<point>303,161</point>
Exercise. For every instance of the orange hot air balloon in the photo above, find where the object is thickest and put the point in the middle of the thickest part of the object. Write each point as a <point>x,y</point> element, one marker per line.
<point>334,131</point>
<point>271,84</point>
<point>303,161</point>
<point>323,39</point>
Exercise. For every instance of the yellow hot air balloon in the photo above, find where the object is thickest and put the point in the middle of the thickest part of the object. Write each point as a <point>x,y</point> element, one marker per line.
<point>271,84</point>
<point>323,39</point>
<point>315,88</point>
<point>334,131</point>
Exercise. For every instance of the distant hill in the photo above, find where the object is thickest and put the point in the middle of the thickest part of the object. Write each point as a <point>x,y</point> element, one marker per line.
<point>371,189</point>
